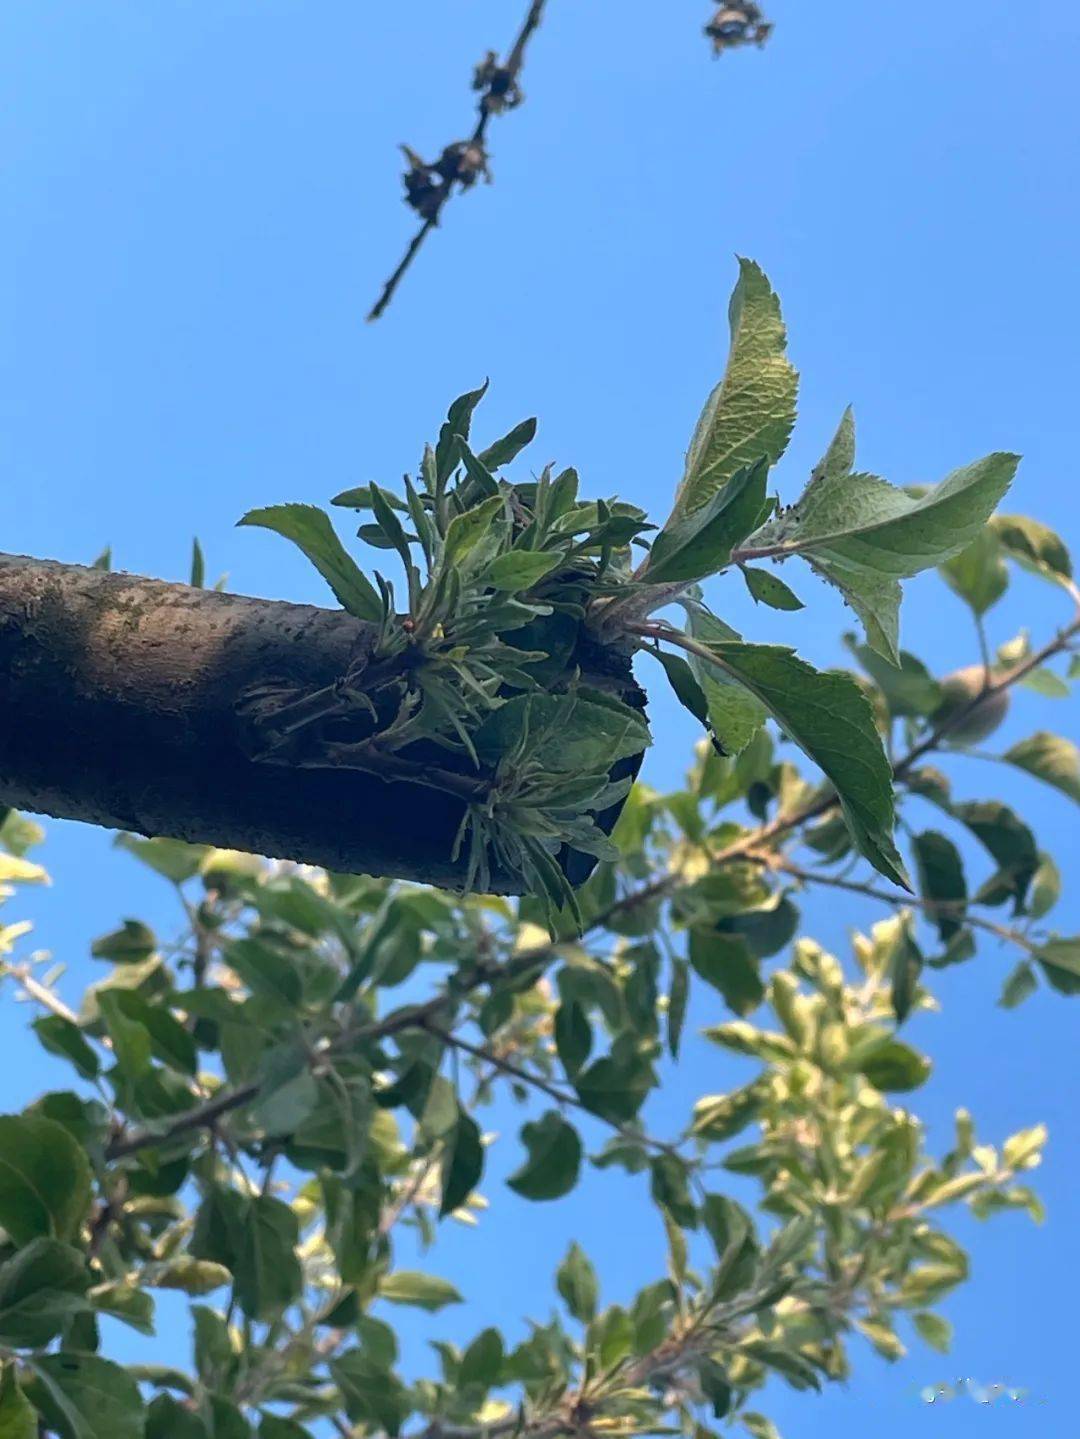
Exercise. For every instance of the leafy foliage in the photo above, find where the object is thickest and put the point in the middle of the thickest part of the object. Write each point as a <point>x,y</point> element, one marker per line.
<point>254,1114</point>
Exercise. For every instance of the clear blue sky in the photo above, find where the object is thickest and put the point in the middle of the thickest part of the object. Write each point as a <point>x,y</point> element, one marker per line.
<point>200,201</point>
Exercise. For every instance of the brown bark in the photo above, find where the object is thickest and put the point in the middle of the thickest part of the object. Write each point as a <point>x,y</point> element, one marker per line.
<point>119,707</point>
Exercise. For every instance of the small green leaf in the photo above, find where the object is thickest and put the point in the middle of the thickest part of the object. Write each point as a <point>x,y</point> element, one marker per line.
<point>554,1161</point>
<point>509,447</point>
<point>520,569</point>
<point>677,1001</point>
<point>1060,962</point>
<point>44,1179</point>
<point>133,943</point>
<point>372,1396</point>
<point>265,971</point>
<point>725,962</point>
<point>1051,758</point>
<point>978,574</point>
<point>41,1286</point>
<point>482,1362</point>
<point>681,678</point>
<point>576,1282</point>
<point>936,1331</point>
<point>59,1036</point>
<point>198,565</point>
<point>940,872</point>
<point>267,1269</point>
<point>310,529</point>
<point>467,532</point>
<point>751,412</point>
<point>615,1087</point>
<point>894,1068</point>
<point>1034,546</point>
<point>830,719</point>
<point>422,1291</point>
<point>693,546</point>
<point>769,589</point>
<point>463,1163</point>
<point>17,1417</point>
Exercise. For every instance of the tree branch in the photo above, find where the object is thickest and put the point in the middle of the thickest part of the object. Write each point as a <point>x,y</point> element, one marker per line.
<point>430,187</point>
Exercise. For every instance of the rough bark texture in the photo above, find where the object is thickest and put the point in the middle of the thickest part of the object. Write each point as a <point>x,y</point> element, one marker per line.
<point>118,707</point>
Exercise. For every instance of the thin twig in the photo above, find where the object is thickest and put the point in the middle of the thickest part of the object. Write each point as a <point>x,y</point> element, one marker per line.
<point>40,992</point>
<point>510,71</point>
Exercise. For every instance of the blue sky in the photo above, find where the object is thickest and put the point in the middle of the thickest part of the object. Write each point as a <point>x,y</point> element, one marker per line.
<point>200,202</point>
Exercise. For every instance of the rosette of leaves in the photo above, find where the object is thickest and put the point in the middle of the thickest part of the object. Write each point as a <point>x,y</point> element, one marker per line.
<point>508,583</point>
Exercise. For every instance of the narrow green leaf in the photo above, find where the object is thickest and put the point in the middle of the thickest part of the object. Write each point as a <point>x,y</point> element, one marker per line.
<point>520,569</point>
<point>576,1282</point>
<point>769,589</point>
<point>1034,546</point>
<point>830,719</point>
<point>693,546</point>
<point>509,447</point>
<point>463,1163</point>
<point>421,1291</point>
<point>893,1067</point>
<point>940,872</point>
<point>751,412</point>
<point>310,529</point>
<point>936,1331</point>
<point>198,565</point>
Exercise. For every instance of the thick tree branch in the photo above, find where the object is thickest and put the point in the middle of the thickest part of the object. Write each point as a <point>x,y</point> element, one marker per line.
<point>126,703</point>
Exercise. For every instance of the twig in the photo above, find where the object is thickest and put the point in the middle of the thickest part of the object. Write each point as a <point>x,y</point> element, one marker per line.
<point>502,83</point>
<point>958,907</point>
<point>40,992</point>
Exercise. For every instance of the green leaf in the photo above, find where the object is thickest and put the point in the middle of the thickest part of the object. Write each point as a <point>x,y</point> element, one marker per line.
<point>1045,888</point>
<point>166,1418</point>
<point>769,589</point>
<point>422,1291</point>
<point>482,1361</point>
<point>573,1036</point>
<point>309,528</point>
<point>59,1036</point>
<point>615,1087</point>
<point>84,1397</point>
<point>190,1276</point>
<point>132,943</point>
<point>267,1269</point>
<point>751,412</point>
<point>936,1331</point>
<point>265,971</point>
<point>830,719</point>
<point>166,1038</point>
<point>978,574</point>
<point>457,426</point>
<point>725,962</point>
<point>44,1179</point>
<point>509,447</point>
<point>681,678</point>
<point>1009,841</point>
<point>467,532</point>
<point>1060,962</point>
<point>271,1426</point>
<point>670,1190</point>
<point>554,1161</point>
<point>875,599</point>
<point>40,1288</point>
<point>695,545</point>
<point>907,685</point>
<point>463,1163</point>
<point>17,1417</point>
<point>172,858</point>
<point>198,565</point>
<point>894,1068</point>
<point>1051,758</point>
<point>734,714</point>
<point>577,1284</point>
<point>372,1396</point>
<point>677,1002</point>
<point>858,521</point>
<point>940,872</point>
<point>1034,546</point>
<point>520,569</point>
<point>758,1426</point>
<point>127,1302</point>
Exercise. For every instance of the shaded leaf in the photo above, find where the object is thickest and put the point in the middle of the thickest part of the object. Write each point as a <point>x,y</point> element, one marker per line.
<point>554,1161</point>
<point>310,529</point>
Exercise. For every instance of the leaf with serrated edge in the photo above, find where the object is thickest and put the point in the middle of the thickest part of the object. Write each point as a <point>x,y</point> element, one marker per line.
<point>751,412</point>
